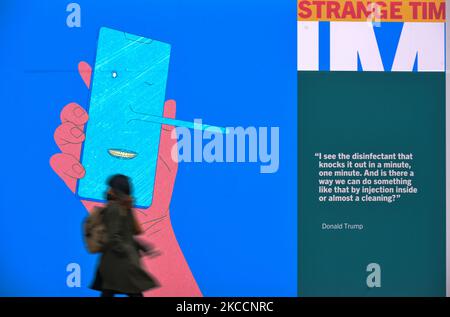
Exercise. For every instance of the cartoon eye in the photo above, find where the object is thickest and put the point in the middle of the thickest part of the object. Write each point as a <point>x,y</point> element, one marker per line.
<point>114,74</point>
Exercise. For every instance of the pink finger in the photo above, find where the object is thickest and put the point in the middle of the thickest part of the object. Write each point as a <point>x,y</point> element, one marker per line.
<point>168,139</point>
<point>170,109</point>
<point>68,168</point>
<point>167,166</point>
<point>68,132</point>
<point>74,113</point>
<point>85,71</point>
<point>69,139</point>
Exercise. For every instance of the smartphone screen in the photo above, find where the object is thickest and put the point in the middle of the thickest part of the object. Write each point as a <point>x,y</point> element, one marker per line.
<point>128,83</point>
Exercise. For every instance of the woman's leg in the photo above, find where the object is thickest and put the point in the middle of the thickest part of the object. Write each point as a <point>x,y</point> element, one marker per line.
<point>107,293</point>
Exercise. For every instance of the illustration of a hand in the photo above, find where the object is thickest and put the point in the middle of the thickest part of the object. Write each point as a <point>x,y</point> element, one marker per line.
<point>170,268</point>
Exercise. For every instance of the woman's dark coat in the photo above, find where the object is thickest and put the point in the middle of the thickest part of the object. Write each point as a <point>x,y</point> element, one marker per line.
<point>120,269</point>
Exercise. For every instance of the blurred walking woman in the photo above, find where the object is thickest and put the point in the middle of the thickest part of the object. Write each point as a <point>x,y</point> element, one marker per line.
<point>119,270</point>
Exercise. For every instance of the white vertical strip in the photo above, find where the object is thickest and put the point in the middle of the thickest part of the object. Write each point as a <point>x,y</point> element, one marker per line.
<point>347,40</point>
<point>425,39</point>
<point>447,150</point>
<point>307,45</point>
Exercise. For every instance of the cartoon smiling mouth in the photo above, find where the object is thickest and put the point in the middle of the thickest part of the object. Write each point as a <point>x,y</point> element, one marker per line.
<point>122,154</point>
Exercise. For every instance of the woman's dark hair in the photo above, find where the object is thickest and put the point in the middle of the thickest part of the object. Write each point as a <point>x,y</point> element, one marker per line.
<point>121,188</point>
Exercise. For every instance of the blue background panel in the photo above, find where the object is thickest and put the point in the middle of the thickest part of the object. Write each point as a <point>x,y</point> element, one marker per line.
<point>233,63</point>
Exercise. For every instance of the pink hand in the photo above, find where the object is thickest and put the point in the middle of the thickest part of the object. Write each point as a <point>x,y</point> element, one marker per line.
<point>171,268</point>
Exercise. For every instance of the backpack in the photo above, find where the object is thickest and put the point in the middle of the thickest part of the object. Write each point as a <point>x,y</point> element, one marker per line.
<point>95,234</point>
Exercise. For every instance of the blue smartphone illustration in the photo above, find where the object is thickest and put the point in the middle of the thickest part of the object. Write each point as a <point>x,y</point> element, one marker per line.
<point>128,83</point>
